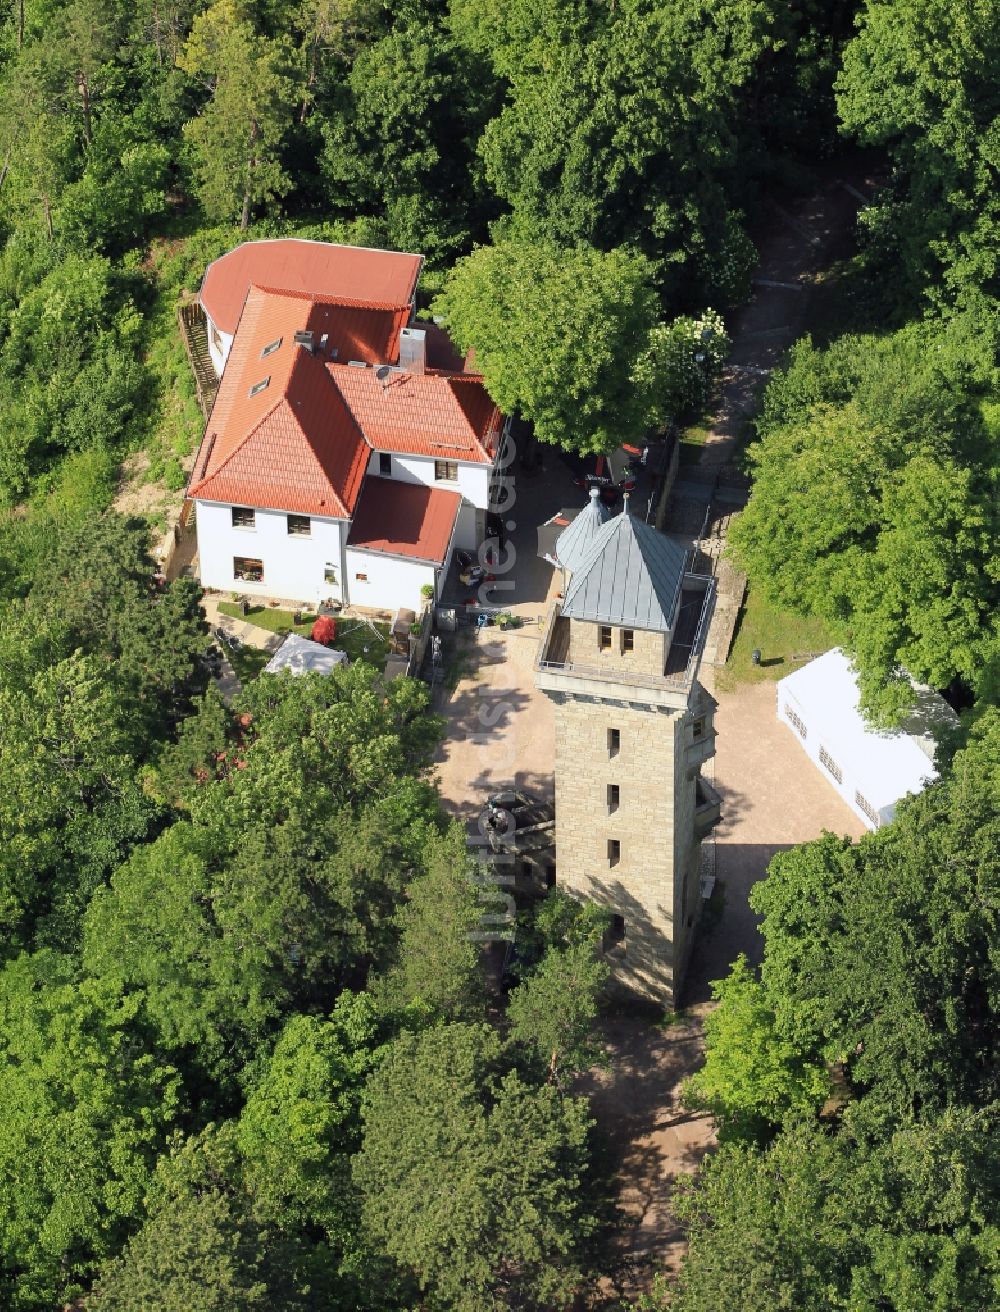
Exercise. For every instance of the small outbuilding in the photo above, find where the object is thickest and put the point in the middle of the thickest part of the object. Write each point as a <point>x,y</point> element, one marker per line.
<point>871,769</point>
<point>302,656</point>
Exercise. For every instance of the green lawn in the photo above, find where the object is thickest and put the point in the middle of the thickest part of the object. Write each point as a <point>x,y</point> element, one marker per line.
<point>270,617</point>
<point>778,635</point>
<point>354,636</point>
<point>693,438</point>
<point>361,644</point>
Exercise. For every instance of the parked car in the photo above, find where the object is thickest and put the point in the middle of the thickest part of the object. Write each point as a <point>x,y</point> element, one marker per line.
<point>614,474</point>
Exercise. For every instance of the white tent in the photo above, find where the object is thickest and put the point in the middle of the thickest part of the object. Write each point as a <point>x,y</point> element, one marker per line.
<point>871,769</point>
<point>303,656</point>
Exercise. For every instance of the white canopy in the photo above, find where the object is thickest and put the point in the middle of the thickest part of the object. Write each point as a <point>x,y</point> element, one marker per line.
<point>303,656</point>
<point>884,765</point>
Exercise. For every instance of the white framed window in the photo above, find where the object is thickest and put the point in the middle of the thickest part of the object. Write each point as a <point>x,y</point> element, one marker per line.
<point>797,721</point>
<point>244,517</point>
<point>869,810</point>
<point>248,570</point>
<point>628,640</point>
<point>604,637</point>
<point>445,471</point>
<point>830,764</point>
<point>299,526</point>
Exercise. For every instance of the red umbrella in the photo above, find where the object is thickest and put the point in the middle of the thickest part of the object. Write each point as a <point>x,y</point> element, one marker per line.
<point>324,630</point>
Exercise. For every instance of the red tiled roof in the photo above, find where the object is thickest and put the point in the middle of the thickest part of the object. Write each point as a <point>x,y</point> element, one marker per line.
<point>371,277</point>
<point>292,446</point>
<point>449,418</point>
<point>420,519</point>
<point>355,330</point>
<point>442,353</point>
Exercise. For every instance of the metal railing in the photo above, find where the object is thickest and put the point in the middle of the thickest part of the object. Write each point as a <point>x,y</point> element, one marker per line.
<point>680,682</point>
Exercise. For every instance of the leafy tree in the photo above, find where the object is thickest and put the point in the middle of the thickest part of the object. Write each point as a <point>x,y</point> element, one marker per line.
<point>36,141</point>
<point>682,364</point>
<point>438,962</point>
<point>302,1119</point>
<point>401,143</point>
<point>237,137</point>
<point>318,743</point>
<point>554,1010</point>
<point>874,504</point>
<point>68,372</point>
<point>880,956</point>
<point>202,1245</point>
<point>227,940</point>
<point>905,1223</point>
<point>622,126</point>
<point>201,1255</point>
<point>753,1076</point>
<point>472,1180</point>
<point>66,754</point>
<point>556,332</point>
<point>913,81</point>
<point>86,1107</point>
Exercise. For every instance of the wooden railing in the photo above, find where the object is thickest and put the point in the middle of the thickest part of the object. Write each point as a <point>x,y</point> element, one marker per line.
<point>194,335</point>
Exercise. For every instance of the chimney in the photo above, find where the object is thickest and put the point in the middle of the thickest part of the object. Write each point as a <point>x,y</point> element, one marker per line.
<point>413,350</point>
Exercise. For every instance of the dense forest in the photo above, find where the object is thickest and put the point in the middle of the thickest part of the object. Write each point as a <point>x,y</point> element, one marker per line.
<point>250,1056</point>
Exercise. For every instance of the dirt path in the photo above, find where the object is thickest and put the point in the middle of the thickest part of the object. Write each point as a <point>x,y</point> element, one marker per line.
<point>769,798</point>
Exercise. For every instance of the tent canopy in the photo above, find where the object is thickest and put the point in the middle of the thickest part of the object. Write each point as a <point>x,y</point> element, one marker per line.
<point>301,656</point>
<point>885,764</point>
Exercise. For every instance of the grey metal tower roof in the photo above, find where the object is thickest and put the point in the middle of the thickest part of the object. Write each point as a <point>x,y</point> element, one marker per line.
<point>630,577</point>
<point>574,542</point>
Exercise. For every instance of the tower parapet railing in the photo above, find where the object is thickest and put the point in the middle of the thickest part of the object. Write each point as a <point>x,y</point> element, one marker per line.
<point>553,650</point>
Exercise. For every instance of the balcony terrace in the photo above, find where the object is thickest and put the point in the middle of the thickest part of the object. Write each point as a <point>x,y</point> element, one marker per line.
<point>557,673</point>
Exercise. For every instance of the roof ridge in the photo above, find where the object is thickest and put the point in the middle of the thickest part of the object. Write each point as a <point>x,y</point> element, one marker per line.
<point>325,298</point>
<point>651,546</point>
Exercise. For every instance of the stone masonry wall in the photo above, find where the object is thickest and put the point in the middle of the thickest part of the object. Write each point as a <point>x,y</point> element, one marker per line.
<point>641,886</point>
<point>647,657</point>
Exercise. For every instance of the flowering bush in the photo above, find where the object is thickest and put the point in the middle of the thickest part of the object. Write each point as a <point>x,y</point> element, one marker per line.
<point>681,364</point>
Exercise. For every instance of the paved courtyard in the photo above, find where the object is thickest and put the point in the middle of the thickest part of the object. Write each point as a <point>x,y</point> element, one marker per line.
<point>773,797</point>
<point>500,729</point>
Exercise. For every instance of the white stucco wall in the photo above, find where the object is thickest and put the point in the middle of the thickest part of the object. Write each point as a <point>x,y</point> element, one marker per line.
<point>293,566</point>
<point>391,581</point>
<point>219,358</point>
<point>473,483</point>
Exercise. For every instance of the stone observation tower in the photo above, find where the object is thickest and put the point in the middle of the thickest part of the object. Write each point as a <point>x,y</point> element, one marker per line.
<point>619,658</point>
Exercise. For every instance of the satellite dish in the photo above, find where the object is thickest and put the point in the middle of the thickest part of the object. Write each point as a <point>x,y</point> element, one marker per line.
<point>382,373</point>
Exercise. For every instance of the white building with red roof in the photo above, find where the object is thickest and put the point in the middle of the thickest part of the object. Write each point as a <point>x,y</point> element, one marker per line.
<point>350,449</point>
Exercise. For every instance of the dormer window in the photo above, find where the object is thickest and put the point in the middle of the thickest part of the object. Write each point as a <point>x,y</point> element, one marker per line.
<point>259,387</point>
<point>271,347</point>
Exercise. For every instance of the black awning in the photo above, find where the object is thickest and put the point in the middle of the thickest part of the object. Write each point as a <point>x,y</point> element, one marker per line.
<point>548,533</point>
